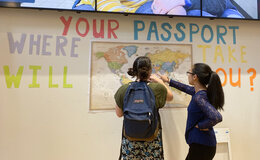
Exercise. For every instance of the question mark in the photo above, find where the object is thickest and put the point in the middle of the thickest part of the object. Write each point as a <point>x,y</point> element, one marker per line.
<point>252,77</point>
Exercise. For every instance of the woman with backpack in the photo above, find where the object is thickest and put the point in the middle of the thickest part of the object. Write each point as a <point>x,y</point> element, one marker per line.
<point>207,98</point>
<point>138,140</point>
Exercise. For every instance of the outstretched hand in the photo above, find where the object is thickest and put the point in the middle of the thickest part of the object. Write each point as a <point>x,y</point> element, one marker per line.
<point>164,78</point>
<point>155,78</point>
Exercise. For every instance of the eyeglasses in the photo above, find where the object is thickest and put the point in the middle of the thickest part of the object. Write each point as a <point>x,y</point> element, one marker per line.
<point>190,73</point>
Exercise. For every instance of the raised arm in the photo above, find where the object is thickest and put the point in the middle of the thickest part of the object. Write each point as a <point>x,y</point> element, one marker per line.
<point>182,87</point>
<point>178,85</point>
<point>212,115</point>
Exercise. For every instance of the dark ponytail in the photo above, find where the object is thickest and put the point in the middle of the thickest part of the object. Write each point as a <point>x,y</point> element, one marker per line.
<point>215,91</point>
<point>131,72</point>
<point>210,79</point>
<point>141,68</point>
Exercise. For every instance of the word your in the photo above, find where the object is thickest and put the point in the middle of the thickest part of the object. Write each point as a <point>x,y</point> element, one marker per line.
<point>82,27</point>
<point>16,79</point>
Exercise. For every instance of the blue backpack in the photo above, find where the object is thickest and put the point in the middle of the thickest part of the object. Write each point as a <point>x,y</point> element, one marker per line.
<point>140,114</point>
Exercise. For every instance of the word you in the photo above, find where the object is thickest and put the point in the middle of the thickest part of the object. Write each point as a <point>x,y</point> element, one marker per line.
<point>237,83</point>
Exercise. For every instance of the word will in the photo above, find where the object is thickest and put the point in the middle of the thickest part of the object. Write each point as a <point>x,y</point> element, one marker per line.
<point>15,80</point>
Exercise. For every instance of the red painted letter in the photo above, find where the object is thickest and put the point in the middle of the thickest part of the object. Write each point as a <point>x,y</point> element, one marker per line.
<point>66,24</point>
<point>101,33</point>
<point>111,30</point>
<point>87,27</point>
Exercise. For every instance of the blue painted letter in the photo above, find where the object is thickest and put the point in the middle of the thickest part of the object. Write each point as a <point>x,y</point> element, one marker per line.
<point>136,29</point>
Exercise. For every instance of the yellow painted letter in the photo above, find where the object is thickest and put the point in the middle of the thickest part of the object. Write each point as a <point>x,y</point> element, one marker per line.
<point>204,51</point>
<point>34,80</point>
<point>230,54</point>
<point>13,79</point>
<point>50,79</point>
<point>242,54</point>
<point>218,52</point>
<point>65,85</point>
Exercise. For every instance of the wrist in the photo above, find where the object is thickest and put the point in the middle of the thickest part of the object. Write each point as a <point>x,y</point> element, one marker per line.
<point>168,80</point>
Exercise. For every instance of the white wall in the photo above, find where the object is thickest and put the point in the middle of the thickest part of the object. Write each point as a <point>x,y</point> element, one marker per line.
<point>40,122</point>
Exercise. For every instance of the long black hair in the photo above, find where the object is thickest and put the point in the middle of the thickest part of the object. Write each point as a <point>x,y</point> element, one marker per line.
<point>211,80</point>
<point>141,68</point>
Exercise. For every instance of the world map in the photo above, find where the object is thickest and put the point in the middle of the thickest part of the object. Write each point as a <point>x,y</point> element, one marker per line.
<point>110,62</point>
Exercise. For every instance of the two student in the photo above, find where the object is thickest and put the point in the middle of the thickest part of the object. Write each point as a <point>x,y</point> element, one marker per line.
<point>207,98</point>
